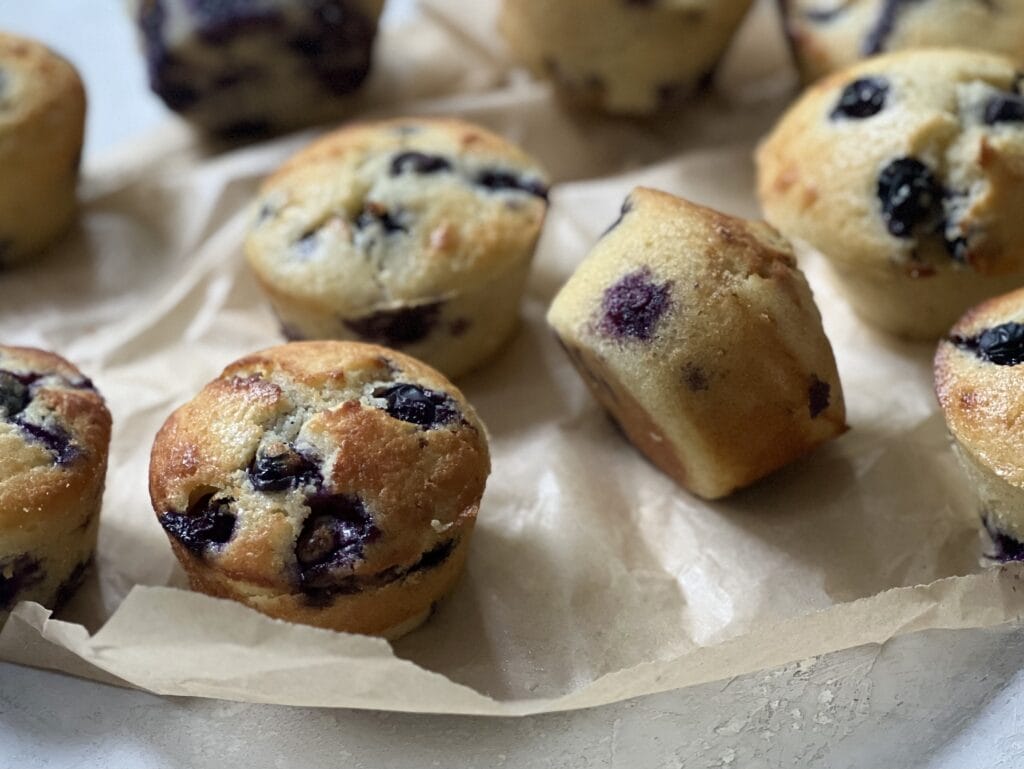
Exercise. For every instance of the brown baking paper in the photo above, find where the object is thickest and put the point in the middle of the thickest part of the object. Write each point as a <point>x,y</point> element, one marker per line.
<point>592,577</point>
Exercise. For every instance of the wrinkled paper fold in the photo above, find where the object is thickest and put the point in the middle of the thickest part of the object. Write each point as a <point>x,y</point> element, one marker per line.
<point>592,578</point>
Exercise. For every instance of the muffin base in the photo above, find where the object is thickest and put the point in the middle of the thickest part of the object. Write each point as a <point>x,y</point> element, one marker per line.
<point>1001,504</point>
<point>390,611</point>
<point>455,334</point>
<point>922,307</point>
<point>56,563</point>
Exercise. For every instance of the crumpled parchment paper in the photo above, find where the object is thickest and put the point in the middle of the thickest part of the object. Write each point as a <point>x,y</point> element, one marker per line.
<point>592,577</point>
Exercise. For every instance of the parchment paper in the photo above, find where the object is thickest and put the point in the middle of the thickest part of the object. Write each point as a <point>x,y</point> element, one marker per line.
<point>592,577</point>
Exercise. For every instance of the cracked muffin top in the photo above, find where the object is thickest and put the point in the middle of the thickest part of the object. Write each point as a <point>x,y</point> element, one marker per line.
<point>914,159</point>
<point>378,214</point>
<point>827,35</point>
<point>54,432</point>
<point>320,468</point>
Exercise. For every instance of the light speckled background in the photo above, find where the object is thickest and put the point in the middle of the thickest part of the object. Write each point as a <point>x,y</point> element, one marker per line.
<point>931,700</point>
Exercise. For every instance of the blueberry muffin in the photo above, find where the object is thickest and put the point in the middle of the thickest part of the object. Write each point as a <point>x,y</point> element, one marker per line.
<point>54,438</point>
<point>328,483</point>
<point>699,335</point>
<point>622,56</point>
<point>907,172</point>
<point>979,380</point>
<point>827,35</point>
<point>42,122</point>
<point>417,234</point>
<point>241,68</point>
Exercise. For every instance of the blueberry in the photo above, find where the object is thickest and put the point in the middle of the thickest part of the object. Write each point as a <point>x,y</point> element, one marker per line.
<point>634,305</point>
<point>504,180</point>
<point>1005,547</point>
<point>53,439</point>
<point>336,44</point>
<point>819,396</point>
<point>862,98</point>
<point>419,163</point>
<point>1002,345</point>
<point>377,214</point>
<point>281,467</point>
<point>207,523</point>
<point>16,575</point>
<point>14,395</point>
<point>418,405</point>
<point>911,197</point>
<point>433,557</point>
<point>334,536</point>
<point>695,378</point>
<point>397,328</point>
<point>1005,108</point>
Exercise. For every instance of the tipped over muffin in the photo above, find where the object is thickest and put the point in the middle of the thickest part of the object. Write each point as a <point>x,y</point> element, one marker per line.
<point>328,483</point>
<point>698,334</point>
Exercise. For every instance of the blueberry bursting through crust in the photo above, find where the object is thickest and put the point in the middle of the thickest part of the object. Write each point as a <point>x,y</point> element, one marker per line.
<point>1002,345</point>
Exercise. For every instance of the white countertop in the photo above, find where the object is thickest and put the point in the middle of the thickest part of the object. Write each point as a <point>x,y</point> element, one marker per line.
<point>936,700</point>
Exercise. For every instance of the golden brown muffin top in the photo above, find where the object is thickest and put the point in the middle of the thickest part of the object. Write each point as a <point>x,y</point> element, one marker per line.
<point>379,214</point>
<point>913,160</point>
<point>33,80</point>
<point>979,380</point>
<point>54,434</point>
<point>320,467</point>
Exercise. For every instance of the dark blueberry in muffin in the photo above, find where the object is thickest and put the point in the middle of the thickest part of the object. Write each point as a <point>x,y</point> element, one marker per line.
<point>1005,108</point>
<point>1002,345</point>
<point>418,405</point>
<point>375,214</point>
<point>634,305</point>
<point>434,557</point>
<point>207,523</point>
<point>397,328</point>
<point>53,439</point>
<point>819,396</point>
<point>911,197</point>
<point>504,180</point>
<point>14,395</point>
<point>280,466</point>
<point>336,45</point>
<point>334,535</point>
<point>419,163</point>
<point>16,574</point>
<point>862,98</point>
<point>1004,547</point>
